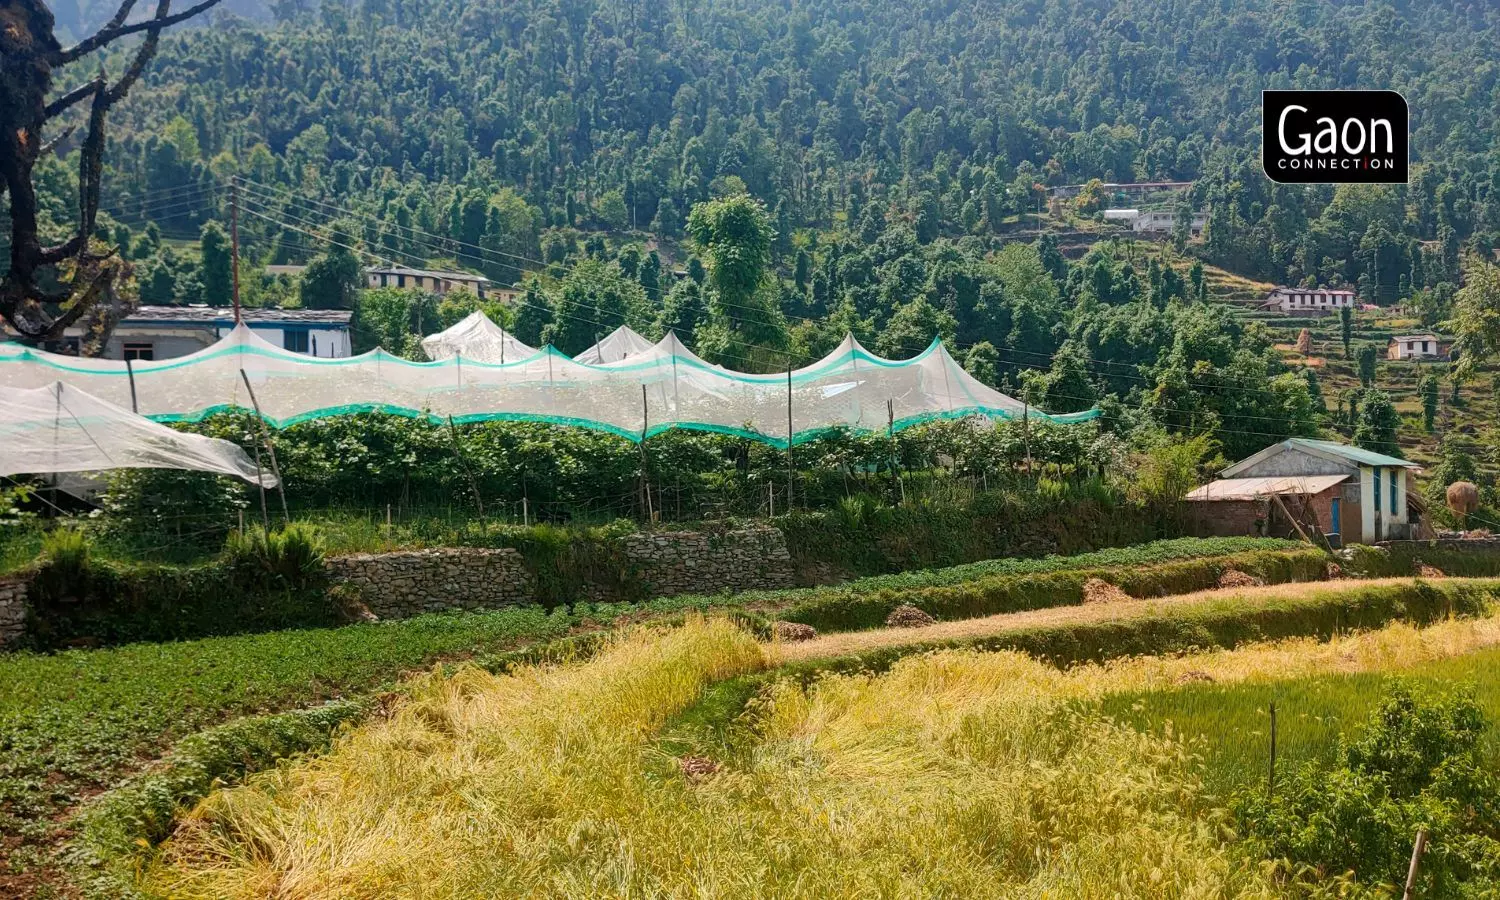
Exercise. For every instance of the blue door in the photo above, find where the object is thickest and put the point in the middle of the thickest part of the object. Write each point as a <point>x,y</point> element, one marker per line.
<point>1337,526</point>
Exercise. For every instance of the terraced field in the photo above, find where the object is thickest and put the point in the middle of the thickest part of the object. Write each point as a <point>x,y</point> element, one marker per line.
<point>957,773</point>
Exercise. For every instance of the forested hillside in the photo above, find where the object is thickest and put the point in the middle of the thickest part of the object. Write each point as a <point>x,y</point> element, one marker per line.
<point>901,154</point>
<point>617,114</point>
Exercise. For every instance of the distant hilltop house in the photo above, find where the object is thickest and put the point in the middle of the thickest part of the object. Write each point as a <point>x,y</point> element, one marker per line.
<point>1422,345</point>
<point>439,282</point>
<point>166,332</point>
<point>1308,301</point>
<point>1153,222</point>
<point>1135,188</point>
<point>1165,222</point>
<point>1348,493</point>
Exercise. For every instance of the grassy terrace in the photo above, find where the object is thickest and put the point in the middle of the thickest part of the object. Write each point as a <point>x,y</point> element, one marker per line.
<point>74,722</point>
<point>960,773</point>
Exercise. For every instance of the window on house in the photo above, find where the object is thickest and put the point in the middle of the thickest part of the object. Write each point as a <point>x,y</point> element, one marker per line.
<point>400,281</point>
<point>1393,492</point>
<point>138,350</point>
<point>1377,489</point>
<point>295,341</point>
<point>1424,346</point>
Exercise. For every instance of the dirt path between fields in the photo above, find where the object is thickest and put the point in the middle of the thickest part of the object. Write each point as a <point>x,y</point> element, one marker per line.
<point>844,643</point>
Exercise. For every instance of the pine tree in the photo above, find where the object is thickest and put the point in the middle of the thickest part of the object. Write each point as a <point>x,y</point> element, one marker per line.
<point>217,274</point>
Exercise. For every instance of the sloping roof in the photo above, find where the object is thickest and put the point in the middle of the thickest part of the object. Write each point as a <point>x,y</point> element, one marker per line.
<point>1330,450</point>
<point>1302,290</point>
<point>1419,336</point>
<point>425,273</point>
<point>224,315</point>
<point>1252,488</point>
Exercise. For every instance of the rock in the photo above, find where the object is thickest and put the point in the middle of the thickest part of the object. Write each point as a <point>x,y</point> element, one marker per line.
<point>1423,570</point>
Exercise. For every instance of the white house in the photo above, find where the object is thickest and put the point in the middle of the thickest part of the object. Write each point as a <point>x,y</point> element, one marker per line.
<point>427,280</point>
<point>1308,301</point>
<point>165,332</point>
<point>1358,494</point>
<point>1164,221</point>
<point>1423,345</point>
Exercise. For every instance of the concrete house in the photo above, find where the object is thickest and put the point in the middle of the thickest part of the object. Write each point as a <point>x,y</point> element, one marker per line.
<point>166,332</point>
<point>1308,301</point>
<point>1164,221</point>
<point>1359,495</point>
<point>1422,345</point>
<point>425,279</point>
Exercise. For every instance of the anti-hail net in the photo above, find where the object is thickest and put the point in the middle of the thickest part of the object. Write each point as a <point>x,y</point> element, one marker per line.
<point>59,428</point>
<point>645,393</point>
<point>476,338</point>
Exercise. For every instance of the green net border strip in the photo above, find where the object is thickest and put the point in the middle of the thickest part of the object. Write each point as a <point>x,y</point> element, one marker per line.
<point>798,438</point>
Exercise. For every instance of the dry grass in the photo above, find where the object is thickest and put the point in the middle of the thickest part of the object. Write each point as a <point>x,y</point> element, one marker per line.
<point>956,773</point>
<point>844,643</point>
<point>957,776</point>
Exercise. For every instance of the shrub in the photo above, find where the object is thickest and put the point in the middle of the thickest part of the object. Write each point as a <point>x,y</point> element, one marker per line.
<point>292,555</point>
<point>66,551</point>
<point>1417,765</point>
<point>171,509</point>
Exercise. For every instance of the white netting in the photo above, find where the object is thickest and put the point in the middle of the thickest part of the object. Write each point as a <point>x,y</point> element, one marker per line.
<point>476,338</point>
<point>59,428</point>
<point>660,387</point>
<point>617,346</point>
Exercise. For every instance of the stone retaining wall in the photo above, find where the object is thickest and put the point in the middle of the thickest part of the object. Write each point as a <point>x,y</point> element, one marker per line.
<point>661,563</point>
<point>12,611</point>
<point>704,562</point>
<point>412,582</point>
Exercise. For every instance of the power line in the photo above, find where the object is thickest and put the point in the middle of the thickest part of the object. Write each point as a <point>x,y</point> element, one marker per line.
<point>445,241</point>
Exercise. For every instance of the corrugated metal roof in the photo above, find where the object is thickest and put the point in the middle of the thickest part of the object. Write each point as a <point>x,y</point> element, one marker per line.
<point>1420,336</point>
<point>1252,488</point>
<point>1357,454</point>
<point>224,315</point>
<point>425,273</point>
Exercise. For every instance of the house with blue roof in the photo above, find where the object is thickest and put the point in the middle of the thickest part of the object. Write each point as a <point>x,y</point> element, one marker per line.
<point>1347,493</point>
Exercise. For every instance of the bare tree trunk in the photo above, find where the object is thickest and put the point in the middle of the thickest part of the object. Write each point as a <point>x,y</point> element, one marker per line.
<point>52,288</point>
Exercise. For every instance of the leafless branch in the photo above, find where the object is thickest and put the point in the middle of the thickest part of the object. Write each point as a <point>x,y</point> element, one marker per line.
<point>51,145</point>
<point>73,96</point>
<point>113,32</point>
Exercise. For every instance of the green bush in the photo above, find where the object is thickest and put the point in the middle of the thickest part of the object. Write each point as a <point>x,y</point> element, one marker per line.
<point>841,610</point>
<point>292,555</point>
<point>1401,559</point>
<point>1417,765</point>
<point>169,513</point>
<point>112,602</point>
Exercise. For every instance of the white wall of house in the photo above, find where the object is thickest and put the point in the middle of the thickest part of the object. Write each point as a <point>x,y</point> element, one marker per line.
<point>1310,300</point>
<point>1389,514</point>
<point>327,343</point>
<point>1415,348</point>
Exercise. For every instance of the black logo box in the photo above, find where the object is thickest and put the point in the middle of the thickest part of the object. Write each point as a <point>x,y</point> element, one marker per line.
<point>1370,138</point>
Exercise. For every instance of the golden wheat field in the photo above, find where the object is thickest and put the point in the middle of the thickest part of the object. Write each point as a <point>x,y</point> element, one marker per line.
<point>953,774</point>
